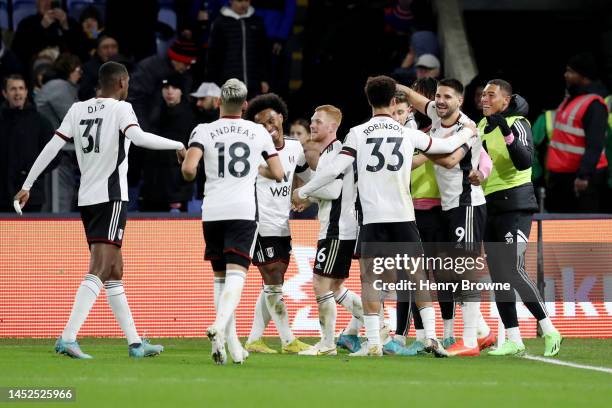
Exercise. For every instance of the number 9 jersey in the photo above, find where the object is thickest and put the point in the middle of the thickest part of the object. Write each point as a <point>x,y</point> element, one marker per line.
<point>97,127</point>
<point>233,148</point>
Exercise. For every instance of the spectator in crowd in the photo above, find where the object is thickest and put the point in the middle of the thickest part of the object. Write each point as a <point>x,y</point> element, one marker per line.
<point>9,63</point>
<point>278,17</point>
<point>57,95</point>
<point>145,96</point>
<point>427,66</point>
<point>53,101</point>
<point>139,42</point>
<point>23,134</point>
<point>576,160</point>
<point>300,129</point>
<point>472,106</point>
<point>50,26</point>
<point>163,186</point>
<point>208,99</point>
<point>92,26</point>
<point>421,43</point>
<point>149,73</point>
<point>238,47</point>
<point>106,49</point>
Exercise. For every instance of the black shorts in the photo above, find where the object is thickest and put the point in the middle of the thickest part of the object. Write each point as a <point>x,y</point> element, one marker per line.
<point>334,257</point>
<point>466,225</point>
<point>229,242</point>
<point>105,222</point>
<point>372,238</point>
<point>270,250</point>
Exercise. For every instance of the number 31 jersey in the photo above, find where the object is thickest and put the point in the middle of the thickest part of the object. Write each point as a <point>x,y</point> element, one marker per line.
<point>233,149</point>
<point>97,128</point>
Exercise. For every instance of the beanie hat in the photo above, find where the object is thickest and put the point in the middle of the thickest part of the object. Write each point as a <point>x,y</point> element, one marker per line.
<point>184,51</point>
<point>584,64</point>
<point>175,80</point>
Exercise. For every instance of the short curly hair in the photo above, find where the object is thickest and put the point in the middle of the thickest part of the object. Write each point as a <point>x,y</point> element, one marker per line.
<point>266,101</point>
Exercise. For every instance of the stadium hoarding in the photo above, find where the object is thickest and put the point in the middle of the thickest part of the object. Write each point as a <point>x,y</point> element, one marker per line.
<point>169,286</point>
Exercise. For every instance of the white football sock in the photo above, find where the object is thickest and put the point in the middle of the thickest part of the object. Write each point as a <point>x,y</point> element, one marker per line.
<point>327,318</point>
<point>353,327</point>
<point>372,329</point>
<point>351,302</point>
<point>85,298</point>
<point>428,316</point>
<point>231,335</point>
<point>449,328</point>
<point>260,320</point>
<point>400,339</point>
<point>218,285</point>
<point>470,310</point>
<point>229,299</point>
<point>115,295</point>
<point>483,328</point>
<point>278,310</point>
<point>547,326</point>
<point>514,334</point>
<point>420,335</point>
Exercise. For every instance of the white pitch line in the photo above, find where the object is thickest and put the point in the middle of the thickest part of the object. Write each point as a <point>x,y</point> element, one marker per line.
<point>568,364</point>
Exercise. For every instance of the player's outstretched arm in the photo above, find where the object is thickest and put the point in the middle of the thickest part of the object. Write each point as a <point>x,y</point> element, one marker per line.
<point>427,144</point>
<point>151,141</point>
<point>418,101</point>
<point>45,157</point>
<point>326,175</point>
<point>189,168</point>
<point>418,160</point>
<point>450,160</point>
<point>275,168</point>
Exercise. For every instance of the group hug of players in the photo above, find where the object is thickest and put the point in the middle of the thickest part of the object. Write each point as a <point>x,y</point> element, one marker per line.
<point>372,189</point>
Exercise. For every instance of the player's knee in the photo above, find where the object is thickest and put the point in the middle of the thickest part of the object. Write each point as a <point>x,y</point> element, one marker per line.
<point>320,285</point>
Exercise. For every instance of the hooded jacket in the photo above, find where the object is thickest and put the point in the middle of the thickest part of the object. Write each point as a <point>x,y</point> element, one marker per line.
<point>521,198</point>
<point>238,48</point>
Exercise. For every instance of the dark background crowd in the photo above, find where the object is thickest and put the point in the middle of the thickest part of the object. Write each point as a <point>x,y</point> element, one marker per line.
<point>310,52</point>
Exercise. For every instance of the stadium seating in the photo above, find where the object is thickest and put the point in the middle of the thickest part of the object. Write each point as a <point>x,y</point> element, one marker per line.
<point>4,16</point>
<point>21,10</point>
<point>166,14</point>
<point>76,7</point>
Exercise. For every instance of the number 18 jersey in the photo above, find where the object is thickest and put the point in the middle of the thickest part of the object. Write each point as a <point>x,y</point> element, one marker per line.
<point>97,127</point>
<point>233,149</point>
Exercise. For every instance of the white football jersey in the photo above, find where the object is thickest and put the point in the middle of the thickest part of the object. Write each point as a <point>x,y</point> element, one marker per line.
<point>233,149</point>
<point>97,128</point>
<point>274,198</point>
<point>337,218</point>
<point>383,150</point>
<point>454,184</point>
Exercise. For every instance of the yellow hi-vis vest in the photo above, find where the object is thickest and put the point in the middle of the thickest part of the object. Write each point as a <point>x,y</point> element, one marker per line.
<point>423,182</point>
<point>503,175</point>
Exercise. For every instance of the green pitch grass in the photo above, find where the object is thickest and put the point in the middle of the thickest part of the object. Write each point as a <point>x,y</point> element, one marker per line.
<point>185,376</point>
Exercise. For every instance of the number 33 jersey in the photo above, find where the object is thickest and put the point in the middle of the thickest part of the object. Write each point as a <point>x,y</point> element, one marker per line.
<point>383,151</point>
<point>233,149</point>
<point>97,128</point>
